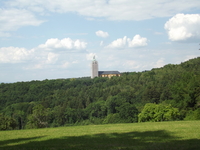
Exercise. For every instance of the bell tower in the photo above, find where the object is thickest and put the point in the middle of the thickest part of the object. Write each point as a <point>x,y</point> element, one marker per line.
<point>94,68</point>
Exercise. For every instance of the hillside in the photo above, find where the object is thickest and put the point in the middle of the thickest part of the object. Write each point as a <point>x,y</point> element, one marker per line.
<point>62,102</point>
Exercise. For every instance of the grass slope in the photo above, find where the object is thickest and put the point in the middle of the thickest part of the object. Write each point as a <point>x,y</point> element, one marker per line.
<point>180,135</point>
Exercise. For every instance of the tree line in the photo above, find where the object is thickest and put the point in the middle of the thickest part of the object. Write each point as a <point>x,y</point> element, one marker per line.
<point>162,94</point>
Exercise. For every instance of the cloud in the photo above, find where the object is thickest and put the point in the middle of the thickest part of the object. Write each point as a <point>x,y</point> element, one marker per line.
<point>101,43</point>
<point>125,42</point>
<point>158,33</point>
<point>65,65</point>
<point>160,63</point>
<point>40,55</point>
<point>13,19</point>
<point>102,34</point>
<point>112,9</point>
<point>15,54</point>
<point>183,27</point>
<point>65,43</point>
<point>131,64</point>
<point>36,59</point>
<point>119,43</point>
<point>137,41</point>
<point>68,64</point>
<point>51,58</point>
<point>188,57</point>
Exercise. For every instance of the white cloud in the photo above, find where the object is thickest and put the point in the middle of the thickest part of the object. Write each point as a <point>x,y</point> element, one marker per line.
<point>65,43</point>
<point>158,33</point>
<point>190,57</point>
<point>183,27</point>
<point>13,19</point>
<point>131,65</point>
<point>31,59</point>
<point>101,43</point>
<point>15,54</point>
<point>102,34</point>
<point>119,43</point>
<point>39,55</point>
<point>160,63</point>
<point>125,42</point>
<point>137,41</point>
<point>52,58</point>
<point>65,65</point>
<point>68,64</point>
<point>112,9</point>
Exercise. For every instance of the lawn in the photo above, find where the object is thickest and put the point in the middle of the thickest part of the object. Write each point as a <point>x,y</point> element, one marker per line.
<point>177,135</point>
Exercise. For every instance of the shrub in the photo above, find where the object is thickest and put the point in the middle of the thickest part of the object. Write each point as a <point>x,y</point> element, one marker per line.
<point>158,112</point>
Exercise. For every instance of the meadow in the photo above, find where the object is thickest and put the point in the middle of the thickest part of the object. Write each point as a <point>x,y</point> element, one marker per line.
<point>176,135</point>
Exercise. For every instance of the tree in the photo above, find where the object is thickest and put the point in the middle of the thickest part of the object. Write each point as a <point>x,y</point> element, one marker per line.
<point>113,102</point>
<point>58,116</point>
<point>128,112</point>
<point>7,123</point>
<point>19,114</point>
<point>39,117</point>
<point>97,109</point>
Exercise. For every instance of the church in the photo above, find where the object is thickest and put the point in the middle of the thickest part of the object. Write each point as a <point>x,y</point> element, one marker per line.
<point>97,73</point>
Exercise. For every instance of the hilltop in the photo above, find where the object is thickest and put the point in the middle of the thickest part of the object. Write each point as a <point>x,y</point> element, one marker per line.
<point>60,102</point>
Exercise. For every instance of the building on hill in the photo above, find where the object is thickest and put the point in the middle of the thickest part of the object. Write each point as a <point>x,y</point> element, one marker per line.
<point>109,74</point>
<point>97,73</point>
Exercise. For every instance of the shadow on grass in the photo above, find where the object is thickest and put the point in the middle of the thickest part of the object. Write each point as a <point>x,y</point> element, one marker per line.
<point>13,141</point>
<point>150,140</point>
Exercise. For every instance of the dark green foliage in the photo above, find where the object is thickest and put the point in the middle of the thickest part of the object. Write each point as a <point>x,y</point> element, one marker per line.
<point>101,100</point>
<point>112,118</point>
<point>193,115</point>
<point>97,109</point>
<point>127,112</point>
<point>7,123</point>
<point>38,118</point>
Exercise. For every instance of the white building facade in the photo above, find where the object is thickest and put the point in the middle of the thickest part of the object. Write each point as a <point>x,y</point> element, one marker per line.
<point>95,68</point>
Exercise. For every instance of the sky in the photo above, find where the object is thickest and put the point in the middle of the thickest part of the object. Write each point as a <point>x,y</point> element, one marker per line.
<point>57,39</point>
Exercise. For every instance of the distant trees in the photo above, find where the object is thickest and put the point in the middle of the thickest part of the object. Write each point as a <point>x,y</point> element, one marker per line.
<point>168,93</point>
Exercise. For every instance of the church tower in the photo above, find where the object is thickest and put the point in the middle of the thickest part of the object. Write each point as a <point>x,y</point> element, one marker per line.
<point>94,68</point>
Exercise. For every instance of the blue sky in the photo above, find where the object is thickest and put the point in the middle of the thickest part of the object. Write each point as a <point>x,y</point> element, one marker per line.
<point>58,39</point>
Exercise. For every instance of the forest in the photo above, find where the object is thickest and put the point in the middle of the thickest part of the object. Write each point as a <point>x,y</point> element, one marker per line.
<point>161,94</point>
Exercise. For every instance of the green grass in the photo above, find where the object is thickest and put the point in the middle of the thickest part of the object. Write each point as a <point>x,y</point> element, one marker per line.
<point>180,135</point>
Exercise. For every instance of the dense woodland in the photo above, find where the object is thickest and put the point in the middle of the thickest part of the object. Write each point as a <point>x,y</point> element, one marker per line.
<point>168,93</point>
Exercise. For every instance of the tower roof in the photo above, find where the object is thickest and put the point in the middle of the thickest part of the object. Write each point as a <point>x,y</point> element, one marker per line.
<point>94,60</point>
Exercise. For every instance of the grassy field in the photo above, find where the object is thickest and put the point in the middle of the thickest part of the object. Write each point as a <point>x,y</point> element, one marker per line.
<point>180,135</point>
